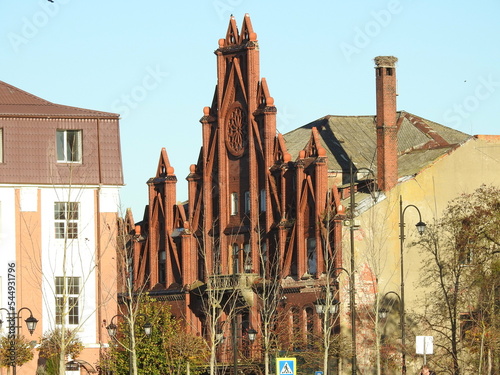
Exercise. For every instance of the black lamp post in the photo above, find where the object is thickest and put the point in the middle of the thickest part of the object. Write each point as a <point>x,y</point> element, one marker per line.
<point>326,307</point>
<point>421,228</point>
<point>323,307</point>
<point>112,330</point>
<point>14,328</point>
<point>382,313</point>
<point>352,228</point>
<point>252,335</point>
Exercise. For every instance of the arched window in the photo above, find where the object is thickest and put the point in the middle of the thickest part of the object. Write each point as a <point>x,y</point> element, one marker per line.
<point>309,327</point>
<point>296,329</point>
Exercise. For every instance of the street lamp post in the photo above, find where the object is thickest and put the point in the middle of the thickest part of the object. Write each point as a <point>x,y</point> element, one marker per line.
<point>113,328</point>
<point>14,328</point>
<point>382,314</point>
<point>421,228</point>
<point>252,335</point>
<point>352,228</point>
<point>352,204</point>
<point>327,308</point>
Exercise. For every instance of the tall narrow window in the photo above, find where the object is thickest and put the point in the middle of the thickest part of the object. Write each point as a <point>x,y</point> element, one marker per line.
<point>162,267</point>
<point>296,328</point>
<point>247,249</point>
<point>263,200</point>
<point>236,258</point>
<point>234,204</point>
<point>311,256</point>
<point>217,260</point>
<point>310,327</point>
<point>67,304</point>
<point>66,219</point>
<point>247,202</point>
<point>69,146</point>
<point>264,264</point>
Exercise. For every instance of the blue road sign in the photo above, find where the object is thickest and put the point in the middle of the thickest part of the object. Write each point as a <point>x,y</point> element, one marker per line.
<point>286,366</point>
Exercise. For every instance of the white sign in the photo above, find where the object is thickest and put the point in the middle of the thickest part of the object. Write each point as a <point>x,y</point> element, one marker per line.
<point>425,345</point>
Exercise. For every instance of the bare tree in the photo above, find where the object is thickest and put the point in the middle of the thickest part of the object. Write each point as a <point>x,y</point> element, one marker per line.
<point>461,246</point>
<point>270,294</point>
<point>219,298</point>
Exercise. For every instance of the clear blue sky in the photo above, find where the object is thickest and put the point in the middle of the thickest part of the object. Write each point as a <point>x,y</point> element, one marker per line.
<point>152,62</point>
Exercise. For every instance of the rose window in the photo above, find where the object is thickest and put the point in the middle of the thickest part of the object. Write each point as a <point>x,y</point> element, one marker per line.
<point>236,134</point>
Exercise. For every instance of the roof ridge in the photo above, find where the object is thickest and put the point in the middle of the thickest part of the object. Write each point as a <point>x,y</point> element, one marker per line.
<point>32,96</point>
<point>14,99</point>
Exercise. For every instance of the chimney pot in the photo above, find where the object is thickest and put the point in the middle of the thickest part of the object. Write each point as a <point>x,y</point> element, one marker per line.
<point>385,61</point>
<point>387,139</point>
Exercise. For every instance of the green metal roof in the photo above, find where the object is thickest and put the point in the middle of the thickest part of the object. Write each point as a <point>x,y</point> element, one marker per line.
<point>420,141</point>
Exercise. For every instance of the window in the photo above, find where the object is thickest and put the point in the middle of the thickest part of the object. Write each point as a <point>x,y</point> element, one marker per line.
<point>264,264</point>
<point>248,258</point>
<point>310,327</point>
<point>234,204</point>
<point>69,310</point>
<point>236,258</point>
<point>66,219</point>
<point>263,200</point>
<point>69,146</point>
<point>247,202</point>
<point>217,260</point>
<point>296,328</point>
<point>311,256</point>
<point>162,267</point>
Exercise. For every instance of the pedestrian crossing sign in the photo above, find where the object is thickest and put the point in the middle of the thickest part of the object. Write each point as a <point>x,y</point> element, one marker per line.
<point>286,366</point>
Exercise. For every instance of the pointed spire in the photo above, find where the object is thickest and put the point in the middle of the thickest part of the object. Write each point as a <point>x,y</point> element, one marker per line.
<point>164,168</point>
<point>247,33</point>
<point>232,36</point>
<point>263,95</point>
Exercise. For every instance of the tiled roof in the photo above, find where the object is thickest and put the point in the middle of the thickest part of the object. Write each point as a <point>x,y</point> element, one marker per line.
<point>29,127</point>
<point>420,141</point>
<point>16,102</point>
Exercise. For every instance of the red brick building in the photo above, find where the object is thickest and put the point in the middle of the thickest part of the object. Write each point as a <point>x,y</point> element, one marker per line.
<point>269,209</point>
<point>252,210</point>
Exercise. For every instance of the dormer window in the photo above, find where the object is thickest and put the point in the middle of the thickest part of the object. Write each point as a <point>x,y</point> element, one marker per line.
<point>69,146</point>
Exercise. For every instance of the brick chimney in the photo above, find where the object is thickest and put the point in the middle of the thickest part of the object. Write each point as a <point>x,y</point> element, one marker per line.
<point>387,131</point>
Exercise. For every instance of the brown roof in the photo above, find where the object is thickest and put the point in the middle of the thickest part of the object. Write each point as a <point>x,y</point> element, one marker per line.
<point>29,126</point>
<point>420,141</point>
<point>18,103</point>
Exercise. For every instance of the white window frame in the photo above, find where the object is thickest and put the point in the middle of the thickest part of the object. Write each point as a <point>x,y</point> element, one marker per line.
<point>73,288</point>
<point>234,204</point>
<point>67,150</point>
<point>66,215</point>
